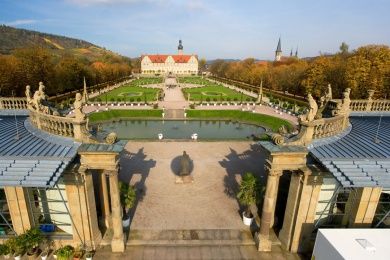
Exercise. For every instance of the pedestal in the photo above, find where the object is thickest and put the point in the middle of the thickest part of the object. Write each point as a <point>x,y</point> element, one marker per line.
<point>184,179</point>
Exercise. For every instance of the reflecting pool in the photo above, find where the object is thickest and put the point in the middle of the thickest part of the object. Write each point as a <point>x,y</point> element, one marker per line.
<point>175,129</point>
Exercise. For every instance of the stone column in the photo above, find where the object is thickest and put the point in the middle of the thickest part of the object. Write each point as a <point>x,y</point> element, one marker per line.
<point>18,208</point>
<point>81,202</point>
<point>361,209</point>
<point>117,244</point>
<point>104,200</point>
<point>300,211</point>
<point>268,209</point>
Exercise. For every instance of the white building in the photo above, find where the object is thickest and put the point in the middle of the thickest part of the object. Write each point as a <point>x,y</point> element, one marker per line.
<point>170,64</point>
<point>352,244</point>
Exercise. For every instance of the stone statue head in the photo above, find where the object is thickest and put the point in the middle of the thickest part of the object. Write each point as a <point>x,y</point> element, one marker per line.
<point>41,87</point>
<point>28,87</point>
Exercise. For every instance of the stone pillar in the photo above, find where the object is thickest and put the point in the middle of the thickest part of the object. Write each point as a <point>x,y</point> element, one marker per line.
<point>300,210</point>
<point>81,203</point>
<point>18,207</point>
<point>362,207</point>
<point>104,200</point>
<point>268,209</point>
<point>117,244</point>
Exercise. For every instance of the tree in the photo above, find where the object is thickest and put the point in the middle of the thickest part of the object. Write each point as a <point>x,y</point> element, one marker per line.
<point>368,68</point>
<point>202,65</point>
<point>344,48</point>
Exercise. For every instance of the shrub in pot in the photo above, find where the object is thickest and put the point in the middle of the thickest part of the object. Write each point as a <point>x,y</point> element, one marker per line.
<point>4,250</point>
<point>89,255</point>
<point>127,197</point>
<point>33,238</point>
<point>248,195</point>
<point>65,252</point>
<point>78,253</point>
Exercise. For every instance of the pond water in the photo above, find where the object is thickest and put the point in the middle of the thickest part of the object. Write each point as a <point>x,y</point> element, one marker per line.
<point>175,129</point>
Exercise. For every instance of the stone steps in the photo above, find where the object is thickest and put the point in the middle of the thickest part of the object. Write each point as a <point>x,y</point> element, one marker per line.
<point>208,237</point>
<point>174,114</point>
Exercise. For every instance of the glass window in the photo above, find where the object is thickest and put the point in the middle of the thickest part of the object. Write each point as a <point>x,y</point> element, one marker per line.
<point>49,211</point>
<point>6,227</point>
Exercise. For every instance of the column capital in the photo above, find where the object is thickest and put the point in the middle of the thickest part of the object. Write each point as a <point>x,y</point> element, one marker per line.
<point>110,173</point>
<point>305,171</point>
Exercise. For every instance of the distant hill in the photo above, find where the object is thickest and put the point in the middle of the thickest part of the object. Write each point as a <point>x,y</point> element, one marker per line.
<point>13,38</point>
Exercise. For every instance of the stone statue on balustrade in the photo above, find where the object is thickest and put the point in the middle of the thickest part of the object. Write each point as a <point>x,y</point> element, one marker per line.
<point>40,102</point>
<point>313,108</point>
<point>327,97</point>
<point>78,108</point>
<point>30,101</point>
<point>343,106</point>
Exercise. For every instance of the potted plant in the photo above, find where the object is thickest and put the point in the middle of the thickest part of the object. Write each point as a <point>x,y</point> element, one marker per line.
<point>127,197</point>
<point>65,252</point>
<point>16,246</point>
<point>32,239</point>
<point>5,251</point>
<point>78,253</point>
<point>45,253</point>
<point>89,255</point>
<point>248,195</point>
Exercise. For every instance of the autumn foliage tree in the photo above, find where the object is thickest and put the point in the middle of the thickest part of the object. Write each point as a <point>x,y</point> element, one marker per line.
<point>368,67</point>
<point>60,72</point>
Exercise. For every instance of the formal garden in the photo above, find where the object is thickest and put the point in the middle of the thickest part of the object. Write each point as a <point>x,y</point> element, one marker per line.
<point>132,92</point>
<point>212,92</point>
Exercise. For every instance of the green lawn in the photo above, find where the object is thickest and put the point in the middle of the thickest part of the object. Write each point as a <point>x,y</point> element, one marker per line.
<point>271,122</point>
<point>130,93</point>
<point>213,92</point>
<point>135,113</point>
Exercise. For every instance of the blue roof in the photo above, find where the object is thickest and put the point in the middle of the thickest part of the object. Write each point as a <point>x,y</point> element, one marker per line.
<point>354,157</point>
<point>30,157</point>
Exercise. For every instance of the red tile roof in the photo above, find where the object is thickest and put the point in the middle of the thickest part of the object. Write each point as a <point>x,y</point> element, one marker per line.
<point>159,58</point>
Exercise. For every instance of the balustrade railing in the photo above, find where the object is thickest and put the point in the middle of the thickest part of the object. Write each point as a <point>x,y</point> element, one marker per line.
<point>53,124</point>
<point>326,127</point>
<point>376,105</point>
<point>13,103</point>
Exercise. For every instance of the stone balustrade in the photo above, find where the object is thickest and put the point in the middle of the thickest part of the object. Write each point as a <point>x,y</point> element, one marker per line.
<point>327,127</point>
<point>53,124</point>
<point>363,105</point>
<point>13,103</point>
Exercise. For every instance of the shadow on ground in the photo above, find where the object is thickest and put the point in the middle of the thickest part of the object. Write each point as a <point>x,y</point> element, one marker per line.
<point>137,171</point>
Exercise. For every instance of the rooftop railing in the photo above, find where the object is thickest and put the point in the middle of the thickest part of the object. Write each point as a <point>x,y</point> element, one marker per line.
<point>57,125</point>
<point>13,103</point>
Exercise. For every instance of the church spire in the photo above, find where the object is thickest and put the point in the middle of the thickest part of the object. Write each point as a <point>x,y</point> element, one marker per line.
<point>278,52</point>
<point>296,53</point>
<point>180,48</point>
<point>291,52</point>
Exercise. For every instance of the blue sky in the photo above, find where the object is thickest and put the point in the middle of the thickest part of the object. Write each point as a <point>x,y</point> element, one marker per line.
<point>210,28</point>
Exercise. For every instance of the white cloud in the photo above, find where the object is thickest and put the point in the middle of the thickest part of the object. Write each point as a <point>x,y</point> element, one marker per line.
<point>20,22</point>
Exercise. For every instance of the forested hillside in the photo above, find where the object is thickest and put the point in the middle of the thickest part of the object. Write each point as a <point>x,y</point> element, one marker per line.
<point>27,57</point>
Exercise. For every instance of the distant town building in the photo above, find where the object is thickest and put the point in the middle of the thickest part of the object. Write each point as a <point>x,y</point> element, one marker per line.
<point>170,63</point>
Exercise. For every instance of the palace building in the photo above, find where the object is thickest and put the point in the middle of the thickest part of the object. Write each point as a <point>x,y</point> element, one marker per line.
<point>179,63</point>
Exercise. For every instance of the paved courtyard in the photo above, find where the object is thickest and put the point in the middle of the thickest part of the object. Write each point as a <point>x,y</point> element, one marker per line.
<point>208,203</point>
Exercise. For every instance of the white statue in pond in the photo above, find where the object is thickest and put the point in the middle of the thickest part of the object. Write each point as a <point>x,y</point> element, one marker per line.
<point>78,107</point>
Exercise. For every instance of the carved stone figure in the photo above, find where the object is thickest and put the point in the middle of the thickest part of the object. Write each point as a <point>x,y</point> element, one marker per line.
<point>111,138</point>
<point>313,108</point>
<point>185,165</point>
<point>328,95</point>
<point>346,101</point>
<point>28,96</point>
<point>40,99</point>
<point>78,107</point>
